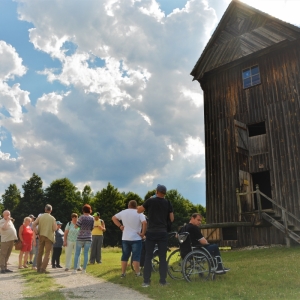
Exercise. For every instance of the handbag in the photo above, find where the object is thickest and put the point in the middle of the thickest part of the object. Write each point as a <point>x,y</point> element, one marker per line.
<point>18,245</point>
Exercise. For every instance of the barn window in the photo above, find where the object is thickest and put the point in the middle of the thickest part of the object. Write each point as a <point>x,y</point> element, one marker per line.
<point>257,129</point>
<point>251,77</point>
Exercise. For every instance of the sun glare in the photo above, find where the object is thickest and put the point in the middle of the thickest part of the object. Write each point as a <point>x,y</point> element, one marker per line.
<point>285,10</point>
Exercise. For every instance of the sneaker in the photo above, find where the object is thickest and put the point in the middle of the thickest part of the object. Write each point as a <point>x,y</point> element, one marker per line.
<point>83,271</point>
<point>66,269</point>
<point>53,267</point>
<point>59,266</point>
<point>138,275</point>
<point>74,272</point>
<point>100,262</point>
<point>164,284</point>
<point>123,275</point>
<point>30,262</point>
<point>8,271</point>
<point>226,269</point>
<point>79,269</point>
<point>220,272</point>
<point>145,284</point>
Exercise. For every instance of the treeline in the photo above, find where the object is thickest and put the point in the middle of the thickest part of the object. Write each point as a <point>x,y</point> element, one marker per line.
<point>65,199</point>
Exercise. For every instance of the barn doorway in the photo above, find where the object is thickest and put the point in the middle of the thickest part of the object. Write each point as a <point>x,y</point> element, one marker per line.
<point>264,182</point>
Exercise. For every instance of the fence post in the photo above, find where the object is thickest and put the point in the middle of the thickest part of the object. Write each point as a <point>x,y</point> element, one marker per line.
<point>285,223</point>
<point>239,204</point>
<point>258,201</point>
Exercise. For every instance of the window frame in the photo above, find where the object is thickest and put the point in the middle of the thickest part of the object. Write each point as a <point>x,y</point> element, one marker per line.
<point>252,82</point>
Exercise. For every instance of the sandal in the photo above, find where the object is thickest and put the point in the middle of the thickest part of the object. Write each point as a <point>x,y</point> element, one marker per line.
<point>21,267</point>
<point>25,266</point>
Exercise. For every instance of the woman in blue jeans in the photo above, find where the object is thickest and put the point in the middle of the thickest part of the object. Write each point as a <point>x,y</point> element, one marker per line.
<point>84,238</point>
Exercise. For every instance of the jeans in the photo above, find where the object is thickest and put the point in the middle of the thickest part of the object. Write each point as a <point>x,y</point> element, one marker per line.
<point>56,253</point>
<point>131,246</point>
<point>69,249</point>
<point>86,247</point>
<point>161,239</point>
<point>96,249</point>
<point>36,250</point>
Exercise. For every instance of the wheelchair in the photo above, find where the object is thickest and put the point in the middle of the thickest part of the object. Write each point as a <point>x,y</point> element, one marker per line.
<point>192,263</point>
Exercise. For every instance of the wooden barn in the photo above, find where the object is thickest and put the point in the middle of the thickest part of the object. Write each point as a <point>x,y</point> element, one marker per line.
<point>250,76</point>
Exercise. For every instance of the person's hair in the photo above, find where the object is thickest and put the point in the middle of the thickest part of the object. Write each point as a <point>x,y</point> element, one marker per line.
<point>48,207</point>
<point>27,219</point>
<point>73,215</point>
<point>132,204</point>
<point>86,209</point>
<point>195,215</point>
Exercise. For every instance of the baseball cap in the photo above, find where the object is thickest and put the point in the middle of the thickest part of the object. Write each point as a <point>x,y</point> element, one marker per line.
<point>161,188</point>
<point>58,223</point>
<point>96,214</point>
<point>32,216</point>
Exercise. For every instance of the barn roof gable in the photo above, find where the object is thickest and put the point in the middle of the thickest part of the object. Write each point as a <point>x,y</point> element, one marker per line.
<point>243,30</point>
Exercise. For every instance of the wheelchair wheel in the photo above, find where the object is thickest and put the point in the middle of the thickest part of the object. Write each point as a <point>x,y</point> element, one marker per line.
<point>175,265</point>
<point>196,267</point>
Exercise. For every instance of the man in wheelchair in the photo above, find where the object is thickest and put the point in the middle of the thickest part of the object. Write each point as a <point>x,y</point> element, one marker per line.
<point>198,240</point>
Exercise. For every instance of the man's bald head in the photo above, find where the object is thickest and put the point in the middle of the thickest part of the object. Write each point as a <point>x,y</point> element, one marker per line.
<point>6,214</point>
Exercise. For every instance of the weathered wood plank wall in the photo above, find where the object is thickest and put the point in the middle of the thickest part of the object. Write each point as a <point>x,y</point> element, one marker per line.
<point>277,102</point>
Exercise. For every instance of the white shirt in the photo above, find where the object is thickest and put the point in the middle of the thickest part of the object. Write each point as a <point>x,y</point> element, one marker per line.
<point>8,234</point>
<point>132,222</point>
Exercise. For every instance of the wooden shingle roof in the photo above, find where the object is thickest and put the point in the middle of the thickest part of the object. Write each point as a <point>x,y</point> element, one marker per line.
<point>243,30</point>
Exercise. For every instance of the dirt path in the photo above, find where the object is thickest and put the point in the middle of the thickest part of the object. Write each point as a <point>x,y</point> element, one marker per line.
<point>12,284</point>
<point>84,286</point>
<point>80,286</point>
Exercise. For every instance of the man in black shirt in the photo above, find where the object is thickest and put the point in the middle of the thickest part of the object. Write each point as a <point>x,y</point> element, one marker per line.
<point>198,239</point>
<point>159,211</point>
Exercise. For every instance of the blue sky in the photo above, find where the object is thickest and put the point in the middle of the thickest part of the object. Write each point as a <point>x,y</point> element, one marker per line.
<point>100,91</point>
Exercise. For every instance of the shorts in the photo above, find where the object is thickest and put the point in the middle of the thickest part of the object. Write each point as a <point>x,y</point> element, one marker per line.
<point>26,247</point>
<point>131,246</point>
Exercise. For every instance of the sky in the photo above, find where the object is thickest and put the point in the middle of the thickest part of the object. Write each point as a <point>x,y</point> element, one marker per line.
<point>100,91</point>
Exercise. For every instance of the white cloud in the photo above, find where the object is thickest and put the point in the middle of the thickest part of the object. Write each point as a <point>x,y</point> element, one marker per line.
<point>136,118</point>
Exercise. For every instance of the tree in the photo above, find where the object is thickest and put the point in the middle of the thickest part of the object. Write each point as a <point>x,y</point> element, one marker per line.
<point>109,202</point>
<point>62,194</point>
<point>132,196</point>
<point>11,198</point>
<point>87,195</point>
<point>32,201</point>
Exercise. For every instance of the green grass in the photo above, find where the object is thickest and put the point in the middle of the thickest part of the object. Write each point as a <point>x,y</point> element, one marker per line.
<point>271,273</point>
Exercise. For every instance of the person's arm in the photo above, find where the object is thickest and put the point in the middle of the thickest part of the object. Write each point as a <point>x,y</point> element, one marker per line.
<point>117,222</point>
<point>140,209</point>
<point>203,241</point>
<point>34,239</point>
<point>20,233</point>
<point>144,228</point>
<point>54,225</point>
<point>66,237</point>
<point>34,224</point>
<point>102,226</point>
<point>5,225</point>
<point>171,215</point>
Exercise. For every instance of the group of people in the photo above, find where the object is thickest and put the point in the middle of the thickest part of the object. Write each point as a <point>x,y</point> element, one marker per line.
<point>43,235</point>
<point>86,232</point>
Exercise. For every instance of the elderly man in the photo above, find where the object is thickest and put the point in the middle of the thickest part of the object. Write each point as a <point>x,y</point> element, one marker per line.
<point>134,228</point>
<point>159,211</point>
<point>46,231</point>
<point>8,236</point>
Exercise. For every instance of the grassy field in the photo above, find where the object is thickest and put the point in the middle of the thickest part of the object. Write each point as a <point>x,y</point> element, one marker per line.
<point>263,273</point>
<point>271,273</point>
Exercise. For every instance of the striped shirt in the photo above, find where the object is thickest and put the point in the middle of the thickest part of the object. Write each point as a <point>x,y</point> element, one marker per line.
<point>86,224</point>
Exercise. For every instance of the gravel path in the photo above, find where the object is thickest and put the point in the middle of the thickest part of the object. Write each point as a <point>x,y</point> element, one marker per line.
<point>84,286</point>
<point>12,284</point>
<point>79,286</point>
